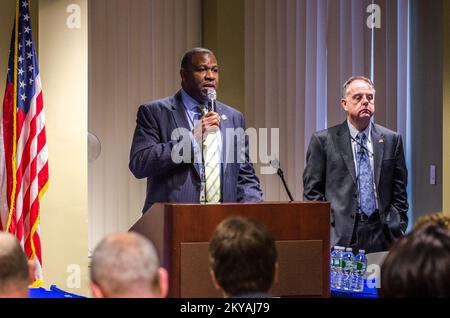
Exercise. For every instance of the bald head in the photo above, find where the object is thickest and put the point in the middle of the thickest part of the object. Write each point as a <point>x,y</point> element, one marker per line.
<point>126,265</point>
<point>14,268</point>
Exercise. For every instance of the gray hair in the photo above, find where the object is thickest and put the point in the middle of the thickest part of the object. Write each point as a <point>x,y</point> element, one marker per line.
<point>187,58</point>
<point>14,271</point>
<point>124,263</point>
<point>356,78</point>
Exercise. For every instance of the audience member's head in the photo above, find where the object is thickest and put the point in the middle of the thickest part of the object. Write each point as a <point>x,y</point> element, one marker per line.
<point>126,265</point>
<point>438,218</point>
<point>418,265</point>
<point>243,258</point>
<point>16,272</point>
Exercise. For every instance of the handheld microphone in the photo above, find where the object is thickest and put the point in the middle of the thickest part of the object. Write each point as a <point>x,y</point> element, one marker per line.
<point>276,165</point>
<point>211,93</point>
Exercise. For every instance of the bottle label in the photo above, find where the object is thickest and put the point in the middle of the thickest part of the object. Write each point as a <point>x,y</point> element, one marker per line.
<point>360,266</point>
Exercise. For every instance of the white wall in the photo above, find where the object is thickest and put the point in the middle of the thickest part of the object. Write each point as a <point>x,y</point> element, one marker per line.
<point>135,52</point>
<point>63,58</point>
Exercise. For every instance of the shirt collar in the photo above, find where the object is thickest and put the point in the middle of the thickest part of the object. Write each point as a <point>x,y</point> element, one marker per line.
<point>190,103</point>
<point>354,131</point>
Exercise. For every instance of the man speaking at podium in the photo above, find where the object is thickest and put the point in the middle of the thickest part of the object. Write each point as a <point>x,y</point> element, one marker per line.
<point>209,176</point>
<point>360,168</point>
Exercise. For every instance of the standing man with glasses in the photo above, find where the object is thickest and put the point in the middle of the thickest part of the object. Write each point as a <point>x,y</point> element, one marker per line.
<point>359,167</point>
<point>209,174</point>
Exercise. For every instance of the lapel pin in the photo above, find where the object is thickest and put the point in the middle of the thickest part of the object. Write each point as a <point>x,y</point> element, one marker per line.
<point>380,141</point>
<point>224,117</point>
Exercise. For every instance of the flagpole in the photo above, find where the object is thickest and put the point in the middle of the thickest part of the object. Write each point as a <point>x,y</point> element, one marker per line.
<point>14,112</point>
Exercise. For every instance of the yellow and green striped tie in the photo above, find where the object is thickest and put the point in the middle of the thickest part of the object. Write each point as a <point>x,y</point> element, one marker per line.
<point>211,159</point>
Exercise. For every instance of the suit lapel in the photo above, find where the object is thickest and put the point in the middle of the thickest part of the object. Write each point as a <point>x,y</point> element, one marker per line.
<point>181,120</point>
<point>345,147</point>
<point>378,152</point>
<point>179,113</point>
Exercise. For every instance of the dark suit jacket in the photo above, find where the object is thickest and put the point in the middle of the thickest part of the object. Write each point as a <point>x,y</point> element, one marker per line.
<point>330,176</point>
<point>167,181</point>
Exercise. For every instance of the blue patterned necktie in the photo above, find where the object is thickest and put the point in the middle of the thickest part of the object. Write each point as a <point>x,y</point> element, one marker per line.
<point>198,113</point>
<point>365,177</point>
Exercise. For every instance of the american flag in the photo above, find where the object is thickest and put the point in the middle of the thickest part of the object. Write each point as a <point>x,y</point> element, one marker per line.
<point>23,145</point>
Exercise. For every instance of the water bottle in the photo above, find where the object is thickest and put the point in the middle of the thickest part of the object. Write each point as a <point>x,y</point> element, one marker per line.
<point>334,264</point>
<point>338,267</point>
<point>347,266</point>
<point>357,281</point>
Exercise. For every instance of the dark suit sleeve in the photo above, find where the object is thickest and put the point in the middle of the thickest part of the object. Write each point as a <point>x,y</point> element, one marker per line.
<point>150,155</point>
<point>314,174</point>
<point>397,219</point>
<point>248,187</point>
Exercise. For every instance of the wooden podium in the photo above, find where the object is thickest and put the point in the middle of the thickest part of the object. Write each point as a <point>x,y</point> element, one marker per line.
<point>181,233</point>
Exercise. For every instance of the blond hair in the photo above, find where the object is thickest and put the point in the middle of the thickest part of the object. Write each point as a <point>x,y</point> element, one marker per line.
<point>438,218</point>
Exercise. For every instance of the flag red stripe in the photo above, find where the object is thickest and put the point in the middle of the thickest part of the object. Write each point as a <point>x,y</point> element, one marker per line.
<point>43,176</point>
<point>31,135</point>
<point>37,247</point>
<point>26,152</point>
<point>8,137</point>
<point>42,180</point>
<point>34,213</point>
<point>26,185</point>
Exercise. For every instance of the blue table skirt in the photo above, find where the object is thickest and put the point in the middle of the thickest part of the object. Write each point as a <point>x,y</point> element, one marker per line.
<point>54,292</point>
<point>368,292</point>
